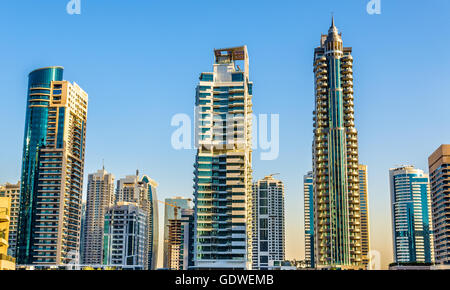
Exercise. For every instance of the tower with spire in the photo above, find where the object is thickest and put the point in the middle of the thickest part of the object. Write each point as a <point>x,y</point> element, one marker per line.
<point>335,157</point>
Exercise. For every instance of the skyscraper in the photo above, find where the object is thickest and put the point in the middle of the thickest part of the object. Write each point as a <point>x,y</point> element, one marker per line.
<point>125,242</point>
<point>52,169</point>
<point>223,172</point>
<point>12,191</point>
<point>142,192</point>
<point>100,196</point>
<point>169,214</point>
<point>337,227</point>
<point>187,238</point>
<point>308,192</point>
<point>181,241</point>
<point>439,166</point>
<point>364,206</point>
<point>412,230</point>
<point>268,223</point>
<point>153,223</point>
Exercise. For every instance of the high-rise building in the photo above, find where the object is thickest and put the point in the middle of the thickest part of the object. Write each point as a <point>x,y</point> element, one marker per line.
<point>181,241</point>
<point>439,166</point>
<point>337,228</point>
<point>169,214</point>
<point>6,262</point>
<point>82,233</point>
<point>268,223</point>
<point>223,172</point>
<point>308,192</point>
<point>12,191</point>
<point>187,238</point>
<point>100,197</point>
<point>364,206</point>
<point>125,236</point>
<point>412,229</point>
<point>174,244</point>
<point>132,189</point>
<point>142,192</point>
<point>52,170</point>
<point>153,223</point>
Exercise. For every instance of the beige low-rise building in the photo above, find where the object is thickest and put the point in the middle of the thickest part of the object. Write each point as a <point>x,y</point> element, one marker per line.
<point>6,262</point>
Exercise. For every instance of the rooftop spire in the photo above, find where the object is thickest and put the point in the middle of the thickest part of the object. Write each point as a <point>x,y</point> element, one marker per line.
<point>333,29</point>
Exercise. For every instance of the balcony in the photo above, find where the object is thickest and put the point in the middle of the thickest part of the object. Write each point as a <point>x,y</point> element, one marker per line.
<point>347,84</point>
<point>348,90</point>
<point>347,77</point>
<point>348,97</point>
<point>7,262</point>
<point>321,71</point>
<point>347,64</point>
<point>4,215</point>
<point>321,84</point>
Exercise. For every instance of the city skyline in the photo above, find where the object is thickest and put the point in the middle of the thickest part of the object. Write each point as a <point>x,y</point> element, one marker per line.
<point>293,167</point>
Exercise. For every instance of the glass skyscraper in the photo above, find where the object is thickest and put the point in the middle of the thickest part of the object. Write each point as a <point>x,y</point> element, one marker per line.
<point>412,229</point>
<point>337,227</point>
<point>52,170</point>
<point>153,222</point>
<point>223,174</point>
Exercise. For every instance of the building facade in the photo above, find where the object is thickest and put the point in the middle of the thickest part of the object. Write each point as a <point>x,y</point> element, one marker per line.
<point>337,227</point>
<point>439,166</point>
<point>12,191</point>
<point>268,223</point>
<point>181,241</point>
<point>364,206</point>
<point>223,172</point>
<point>412,229</point>
<point>187,237</point>
<point>52,170</point>
<point>308,191</point>
<point>6,261</point>
<point>100,197</point>
<point>135,189</point>
<point>125,238</point>
<point>169,214</point>
<point>153,222</point>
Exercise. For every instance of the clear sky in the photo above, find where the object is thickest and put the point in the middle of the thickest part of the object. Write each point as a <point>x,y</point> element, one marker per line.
<point>139,61</point>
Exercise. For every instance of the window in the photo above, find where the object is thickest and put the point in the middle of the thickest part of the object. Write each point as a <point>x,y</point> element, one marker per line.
<point>237,77</point>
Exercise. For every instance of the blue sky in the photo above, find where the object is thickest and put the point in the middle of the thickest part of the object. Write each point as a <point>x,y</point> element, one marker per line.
<point>139,61</point>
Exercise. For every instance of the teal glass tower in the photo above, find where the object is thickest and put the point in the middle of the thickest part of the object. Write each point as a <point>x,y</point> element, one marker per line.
<point>337,228</point>
<point>52,170</point>
<point>412,229</point>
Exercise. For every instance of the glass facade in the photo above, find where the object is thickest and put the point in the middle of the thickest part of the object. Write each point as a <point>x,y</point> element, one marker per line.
<point>52,170</point>
<point>411,216</point>
<point>222,181</point>
<point>335,158</point>
<point>36,123</point>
